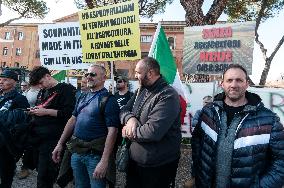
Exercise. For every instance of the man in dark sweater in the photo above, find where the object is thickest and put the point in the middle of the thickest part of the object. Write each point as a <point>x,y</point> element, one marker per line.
<point>54,107</point>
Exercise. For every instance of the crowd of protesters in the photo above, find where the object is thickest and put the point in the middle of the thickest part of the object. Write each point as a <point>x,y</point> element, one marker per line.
<point>66,135</point>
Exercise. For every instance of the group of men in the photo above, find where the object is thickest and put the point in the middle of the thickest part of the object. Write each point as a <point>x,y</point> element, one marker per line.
<point>237,142</point>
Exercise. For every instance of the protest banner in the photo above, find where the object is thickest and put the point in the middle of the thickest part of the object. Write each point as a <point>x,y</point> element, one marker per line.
<point>211,49</point>
<point>60,46</point>
<point>111,33</point>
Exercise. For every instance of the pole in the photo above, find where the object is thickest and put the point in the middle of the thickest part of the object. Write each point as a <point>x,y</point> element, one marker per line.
<point>112,76</point>
<point>67,76</point>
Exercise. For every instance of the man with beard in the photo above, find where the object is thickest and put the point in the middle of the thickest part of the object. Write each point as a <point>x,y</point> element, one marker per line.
<point>151,121</point>
<point>94,132</point>
<point>238,142</point>
<point>123,95</point>
<point>54,106</point>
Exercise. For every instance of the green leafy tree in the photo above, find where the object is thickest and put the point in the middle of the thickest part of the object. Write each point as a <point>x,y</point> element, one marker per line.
<point>25,9</point>
<point>237,10</point>
<point>147,8</point>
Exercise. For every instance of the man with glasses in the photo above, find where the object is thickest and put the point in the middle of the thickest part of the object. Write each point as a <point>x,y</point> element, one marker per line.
<point>94,130</point>
<point>123,95</point>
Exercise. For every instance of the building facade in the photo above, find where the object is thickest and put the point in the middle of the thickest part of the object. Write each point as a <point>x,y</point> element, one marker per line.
<point>19,46</point>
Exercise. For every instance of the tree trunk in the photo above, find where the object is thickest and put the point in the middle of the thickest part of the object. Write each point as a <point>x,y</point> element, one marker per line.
<point>194,15</point>
<point>265,71</point>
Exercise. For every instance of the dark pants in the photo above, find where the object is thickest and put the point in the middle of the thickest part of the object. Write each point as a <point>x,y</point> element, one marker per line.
<point>151,177</point>
<point>29,158</point>
<point>47,169</point>
<point>7,168</point>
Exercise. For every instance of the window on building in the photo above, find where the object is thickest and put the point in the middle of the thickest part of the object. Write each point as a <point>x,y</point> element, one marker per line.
<point>171,41</point>
<point>18,51</point>
<point>17,64</point>
<point>7,35</point>
<point>20,35</point>
<point>37,54</point>
<point>3,64</point>
<point>146,38</point>
<point>5,51</point>
<point>144,54</point>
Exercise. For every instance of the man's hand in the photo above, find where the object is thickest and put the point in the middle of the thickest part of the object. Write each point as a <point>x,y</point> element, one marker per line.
<point>101,169</point>
<point>56,154</point>
<point>129,130</point>
<point>39,111</point>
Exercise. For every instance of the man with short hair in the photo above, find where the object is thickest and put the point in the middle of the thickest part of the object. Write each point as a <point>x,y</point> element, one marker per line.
<point>94,130</point>
<point>152,122</point>
<point>53,108</point>
<point>10,99</point>
<point>24,87</point>
<point>238,142</point>
<point>123,95</point>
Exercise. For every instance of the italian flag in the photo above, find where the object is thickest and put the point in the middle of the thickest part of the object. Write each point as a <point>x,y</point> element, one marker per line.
<point>160,50</point>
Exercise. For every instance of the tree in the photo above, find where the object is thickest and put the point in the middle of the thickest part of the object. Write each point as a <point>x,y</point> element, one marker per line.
<point>259,11</point>
<point>25,9</point>
<point>147,8</point>
<point>237,10</point>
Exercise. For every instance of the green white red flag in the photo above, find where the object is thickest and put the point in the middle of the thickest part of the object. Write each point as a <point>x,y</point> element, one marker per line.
<point>160,50</point>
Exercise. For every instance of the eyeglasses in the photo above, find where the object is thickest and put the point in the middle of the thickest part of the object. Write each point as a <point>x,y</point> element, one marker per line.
<point>91,74</point>
<point>119,81</point>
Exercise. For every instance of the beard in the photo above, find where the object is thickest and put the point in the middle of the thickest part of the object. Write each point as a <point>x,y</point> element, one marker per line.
<point>236,96</point>
<point>145,81</point>
<point>91,84</point>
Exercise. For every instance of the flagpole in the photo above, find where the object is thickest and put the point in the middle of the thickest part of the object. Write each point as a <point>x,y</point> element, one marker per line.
<point>112,77</point>
<point>155,39</point>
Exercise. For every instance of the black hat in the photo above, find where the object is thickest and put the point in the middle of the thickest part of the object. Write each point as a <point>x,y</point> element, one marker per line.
<point>9,74</point>
<point>125,79</point>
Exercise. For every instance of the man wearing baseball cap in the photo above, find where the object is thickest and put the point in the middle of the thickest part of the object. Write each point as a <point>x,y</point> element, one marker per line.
<point>10,99</point>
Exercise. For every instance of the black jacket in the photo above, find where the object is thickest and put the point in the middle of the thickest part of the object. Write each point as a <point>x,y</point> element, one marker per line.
<point>157,108</point>
<point>13,121</point>
<point>258,155</point>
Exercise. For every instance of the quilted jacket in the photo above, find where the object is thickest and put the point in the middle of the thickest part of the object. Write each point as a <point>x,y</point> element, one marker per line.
<point>258,155</point>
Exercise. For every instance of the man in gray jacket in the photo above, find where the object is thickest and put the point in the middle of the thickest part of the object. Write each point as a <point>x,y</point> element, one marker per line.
<point>151,121</point>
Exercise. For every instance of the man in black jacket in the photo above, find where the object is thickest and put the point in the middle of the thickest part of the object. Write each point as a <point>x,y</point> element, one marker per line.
<point>10,99</point>
<point>152,123</point>
<point>238,142</point>
<point>54,107</point>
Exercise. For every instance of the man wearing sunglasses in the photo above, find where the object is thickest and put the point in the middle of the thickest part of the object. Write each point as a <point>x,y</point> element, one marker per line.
<point>91,126</point>
<point>123,94</point>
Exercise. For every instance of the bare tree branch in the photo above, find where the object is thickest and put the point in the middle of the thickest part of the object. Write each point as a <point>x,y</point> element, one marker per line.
<point>215,11</point>
<point>276,48</point>
<point>258,20</point>
<point>9,21</point>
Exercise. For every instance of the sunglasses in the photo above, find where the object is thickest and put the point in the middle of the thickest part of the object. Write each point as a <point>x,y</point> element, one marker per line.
<point>24,85</point>
<point>119,81</point>
<point>91,74</point>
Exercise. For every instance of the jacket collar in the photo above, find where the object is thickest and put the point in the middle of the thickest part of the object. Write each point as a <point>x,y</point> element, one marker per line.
<point>254,101</point>
<point>160,82</point>
<point>11,93</point>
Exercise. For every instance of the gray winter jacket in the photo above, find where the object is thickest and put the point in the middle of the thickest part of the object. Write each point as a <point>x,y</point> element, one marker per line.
<point>157,108</point>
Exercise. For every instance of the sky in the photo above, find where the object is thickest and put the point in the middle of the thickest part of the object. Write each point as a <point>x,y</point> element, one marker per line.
<point>270,32</point>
